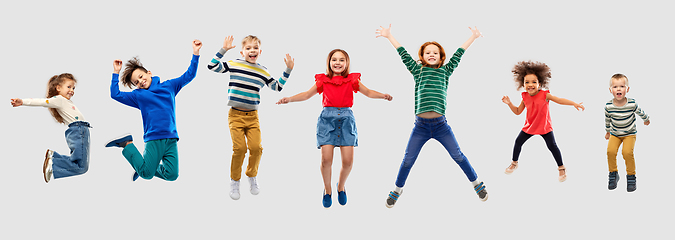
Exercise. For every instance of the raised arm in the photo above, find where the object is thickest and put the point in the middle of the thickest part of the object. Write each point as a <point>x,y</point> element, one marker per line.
<point>125,98</point>
<point>278,85</point>
<point>516,110</point>
<point>300,96</point>
<point>386,33</point>
<point>475,33</point>
<point>373,94</point>
<point>563,101</point>
<point>190,74</point>
<point>216,65</point>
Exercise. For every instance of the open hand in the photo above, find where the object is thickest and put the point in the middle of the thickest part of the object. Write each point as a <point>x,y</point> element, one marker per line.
<point>227,44</point>
<point>117,66</point>
<point>284,100</point>
<point>290,62</point>
<point>475,33</point>
<point>507,100</point>
<point>579,105</point>
<point>383,32</point>
<point>16,102</point>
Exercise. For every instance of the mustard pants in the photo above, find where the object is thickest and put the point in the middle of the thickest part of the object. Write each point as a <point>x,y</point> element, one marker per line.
<point>245,131</point>
<point>627,152</point>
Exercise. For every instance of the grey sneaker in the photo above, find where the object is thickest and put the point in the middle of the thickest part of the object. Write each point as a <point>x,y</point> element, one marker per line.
<point>480,190</point>
<point>632,183</point>
<point>613,180</point>
<point>393,197</point>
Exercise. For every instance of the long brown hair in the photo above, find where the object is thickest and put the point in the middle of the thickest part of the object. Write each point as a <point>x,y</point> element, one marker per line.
<point>329,72</point>
<point>441,52</point>
<point>55,81</point>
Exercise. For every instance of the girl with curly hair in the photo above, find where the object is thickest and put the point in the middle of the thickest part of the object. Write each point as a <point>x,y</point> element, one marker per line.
<point>533,76</point>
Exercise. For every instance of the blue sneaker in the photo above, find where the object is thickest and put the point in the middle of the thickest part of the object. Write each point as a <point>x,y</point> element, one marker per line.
<point>120,141</point>
<point>135,176</point>
<point>327,200</point>
<point>632,183</point>
<point>342,197</point>
<point>613,180</point>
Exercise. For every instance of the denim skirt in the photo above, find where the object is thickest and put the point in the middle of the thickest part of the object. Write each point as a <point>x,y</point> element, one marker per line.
<point>336,126</point>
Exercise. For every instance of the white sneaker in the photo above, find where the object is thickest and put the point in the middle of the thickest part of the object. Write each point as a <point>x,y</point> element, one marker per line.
<point>47,166</point>
<point>254,185</point>
<point>234,190</point>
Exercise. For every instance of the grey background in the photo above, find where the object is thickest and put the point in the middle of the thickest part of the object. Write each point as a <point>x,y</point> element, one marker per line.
<point>584,43</point>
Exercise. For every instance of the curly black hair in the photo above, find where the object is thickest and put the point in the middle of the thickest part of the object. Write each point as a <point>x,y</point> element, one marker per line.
<point>539,69</point>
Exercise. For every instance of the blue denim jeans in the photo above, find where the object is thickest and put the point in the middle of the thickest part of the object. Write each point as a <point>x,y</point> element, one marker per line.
<point>77,137</point>
<point>436,128</point>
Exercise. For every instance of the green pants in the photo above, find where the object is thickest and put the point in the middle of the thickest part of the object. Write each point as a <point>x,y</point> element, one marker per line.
<point>148,164</point>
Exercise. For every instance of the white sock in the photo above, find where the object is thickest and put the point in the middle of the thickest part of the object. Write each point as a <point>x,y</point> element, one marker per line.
<point>398,189</point>
<point>475,183</point>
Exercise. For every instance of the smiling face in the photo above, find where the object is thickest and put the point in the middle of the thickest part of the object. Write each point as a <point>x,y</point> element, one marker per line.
<point>531,84</point>
<point>141,79</point>
<point>338,63</point>
<point>66,89</point>
<point>619,89</point>
<point>251,51</point>
<point>432,55</point>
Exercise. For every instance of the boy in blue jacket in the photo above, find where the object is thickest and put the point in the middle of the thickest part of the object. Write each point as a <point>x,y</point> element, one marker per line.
<point>157,102</point>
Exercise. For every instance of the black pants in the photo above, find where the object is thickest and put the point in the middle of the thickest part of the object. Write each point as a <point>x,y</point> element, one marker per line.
<point>550,143</point>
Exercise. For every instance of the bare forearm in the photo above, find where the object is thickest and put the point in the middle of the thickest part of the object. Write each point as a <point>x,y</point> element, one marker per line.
<point>468,42</point>
<point>303,96</point>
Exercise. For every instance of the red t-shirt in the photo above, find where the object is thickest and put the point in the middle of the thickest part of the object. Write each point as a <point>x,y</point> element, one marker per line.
<point>538,121</point>
<point>337,91</point>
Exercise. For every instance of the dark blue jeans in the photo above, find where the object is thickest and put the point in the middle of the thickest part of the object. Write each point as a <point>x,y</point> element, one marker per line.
<point>77,137</point>
<point>436,128</point>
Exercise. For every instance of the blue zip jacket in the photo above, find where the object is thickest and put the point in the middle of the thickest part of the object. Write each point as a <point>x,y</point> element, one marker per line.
<point>157,103</point>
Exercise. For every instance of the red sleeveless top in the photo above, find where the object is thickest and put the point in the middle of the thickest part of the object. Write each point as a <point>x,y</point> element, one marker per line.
<point>538,121</point>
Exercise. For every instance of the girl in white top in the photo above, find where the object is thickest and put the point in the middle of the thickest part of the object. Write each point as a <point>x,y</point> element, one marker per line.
<point>59,91</point>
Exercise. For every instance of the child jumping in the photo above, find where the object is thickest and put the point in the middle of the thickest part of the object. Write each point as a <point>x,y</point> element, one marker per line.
<point>157,102</point>
<point>59,91</point>
<point>620,126</point>
<point>246,79</point>
<point>533,76</point>
<point>431,77</point>
<point>336,125</point>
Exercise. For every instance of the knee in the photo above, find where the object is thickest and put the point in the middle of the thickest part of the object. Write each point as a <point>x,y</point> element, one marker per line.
<point>171,176</point>
<point>325,161</point>
<point>237,150</point>
<point>256,150</point>
<point>627,154</point>
<point>612,152</point>
<point>347,163</point>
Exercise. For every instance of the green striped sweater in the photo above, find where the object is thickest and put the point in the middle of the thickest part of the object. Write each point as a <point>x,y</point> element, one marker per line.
<point>620,121</point>
<point>431,84</point>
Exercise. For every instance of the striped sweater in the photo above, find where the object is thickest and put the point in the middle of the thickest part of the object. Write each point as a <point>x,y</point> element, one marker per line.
<point>431,84</point>
<point>246,80</point>
<point>620,121</point>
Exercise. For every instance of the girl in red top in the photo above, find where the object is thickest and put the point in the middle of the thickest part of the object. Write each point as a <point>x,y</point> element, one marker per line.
<point>533,76</point>
<point>336,125</point>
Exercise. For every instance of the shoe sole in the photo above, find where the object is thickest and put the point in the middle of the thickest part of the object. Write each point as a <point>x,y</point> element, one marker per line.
<point>112,142</point>
<point>47,167</point>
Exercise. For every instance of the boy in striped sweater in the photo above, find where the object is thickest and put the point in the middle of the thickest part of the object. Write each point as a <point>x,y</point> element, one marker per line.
<point>246,79</point>
<point>620,126</point>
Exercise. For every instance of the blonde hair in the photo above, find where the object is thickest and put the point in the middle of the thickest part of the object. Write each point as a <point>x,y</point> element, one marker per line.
<point>250,38</point>
<point>329,71</point>
<point>618,76</point>
<point>55,81</point>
